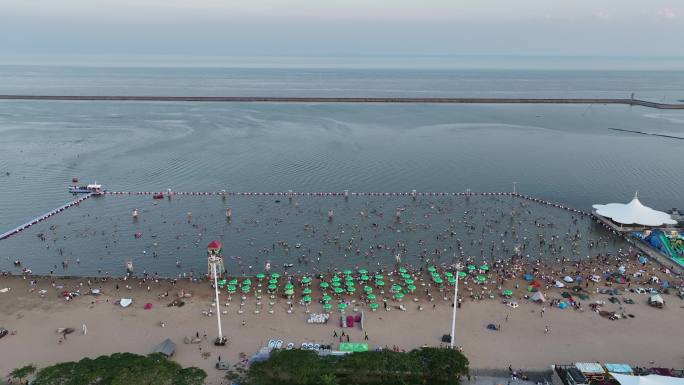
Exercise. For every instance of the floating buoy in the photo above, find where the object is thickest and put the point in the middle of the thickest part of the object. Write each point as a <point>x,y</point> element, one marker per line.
<point>135,213</point>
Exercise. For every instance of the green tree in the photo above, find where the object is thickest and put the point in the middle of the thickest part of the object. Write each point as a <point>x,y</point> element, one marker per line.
<point>23,372</point>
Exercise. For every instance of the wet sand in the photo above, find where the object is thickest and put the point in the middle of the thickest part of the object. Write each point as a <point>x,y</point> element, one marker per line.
<point>573,335</point>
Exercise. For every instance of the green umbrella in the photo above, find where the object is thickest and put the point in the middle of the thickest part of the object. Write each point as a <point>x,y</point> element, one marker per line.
<point>379,283</point>
<point>336,284</point>
<point>438,280</point>
<point>271,287</point>
<point>247,282</point>
<point>326,298</point>
<point>233,282</point>
<point>365,278</point>
<point>448,274</point>
<point>324,285</point>
<point>341,305</point>
<point>261,276</point>
<point>306,291</point>
<point>481,278</point>
<point>451,280</point>
<point>367,289</point>
<point>347,272</point>
<point>221,282</point>
<point>335,278</point>
<point>471,267</point>
<point>275,275</point>
<point>327,306</point>
<point>306,280</point>
<point>349,278</point>
<point>272,281</point>
<point>399,295</point>
<point>289,286</point>
<point>373,306</point>
<point>408,281</point>
<point>339,290</point>
<point>231,289</point>
<point>484,267</point>
<point>371,296</point>
<point>432,269</point>
<point>406,276</point>
<point>350,283</point>
<point>402,270</point>
<point>379,277</point>
<point>245,289</point>
<point>507,293</point>
<point>289,292</point>
<point>306,298</point>
<point>461,274</point>
<point>351,289</point>
<point>363,271</point>
<point>411,287</point>
<point>434,275</point>
<point>395,287</point>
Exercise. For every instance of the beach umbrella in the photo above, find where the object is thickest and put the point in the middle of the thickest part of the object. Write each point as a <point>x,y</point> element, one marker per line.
<point>507,293</point>
<point>289,286</point>
<point>373,306</point>
<point>432,269</point>
<point>367,289</point>
<point>306,298</point>
<point>247,282</point>
<point>379,283</point>
<point>435,275</point>
<point>438,280</point>
<point>379,277</point>
<point>341,305</point>
<point>402,270</point>
<point>271,287</point>
<point>398,296</point>
<point>326,298</point>
<point>396,287</point>
<point>289,292</point>
<point>324,285</point>
<point>408,281</point>
<point>448,274</point>
<point>221,282</point>
<point>336,284</point>
<point>306,280</point>
<point>231,289</point>
<point>471,267</point>
<point>260,276</point>
<point>484,267</point>
<point>481,278</point>
<point>327,306</point>
<point>411,288</point>
<point>351,290</point>
<point>335,278</point>
<point>363,271</point>
<point>275,275</point>
<point>272,281</point>
<point>365,278</point>
<point>347,272</point>
<point>233,282</point>
<point>461,274</point>
<point>406,276</point>
<point>306,291</point>
<point>371,296</point>
<point>339,290</point>
<point>245,289</point>
<point>451,281</point>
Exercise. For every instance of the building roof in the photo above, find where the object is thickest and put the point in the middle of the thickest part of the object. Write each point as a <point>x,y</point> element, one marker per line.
<point>651,379</point>
<point>634,212</point>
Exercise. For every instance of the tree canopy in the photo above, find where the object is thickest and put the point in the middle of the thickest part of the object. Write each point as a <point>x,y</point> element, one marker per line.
<point>432,366</point>
<point>120,369</point>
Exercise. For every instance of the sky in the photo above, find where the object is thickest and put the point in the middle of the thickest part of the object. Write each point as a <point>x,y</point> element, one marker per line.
<point>330,28</point>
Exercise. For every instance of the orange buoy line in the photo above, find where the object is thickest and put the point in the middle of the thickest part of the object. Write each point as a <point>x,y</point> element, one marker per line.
<point>43,217</point>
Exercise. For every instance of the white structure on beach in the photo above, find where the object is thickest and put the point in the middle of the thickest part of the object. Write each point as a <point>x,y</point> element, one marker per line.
<point>633,214</point>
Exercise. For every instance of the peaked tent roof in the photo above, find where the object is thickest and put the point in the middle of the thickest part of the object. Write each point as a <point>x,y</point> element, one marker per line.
<point>634,212</point>
<point>166,347</point>
<point>214,245</point>
<point>651,379</point>
<point>538,296</point>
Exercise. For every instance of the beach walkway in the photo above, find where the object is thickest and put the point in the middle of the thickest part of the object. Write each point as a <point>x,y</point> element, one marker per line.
<point>315,99</point>
<point>43,217</point>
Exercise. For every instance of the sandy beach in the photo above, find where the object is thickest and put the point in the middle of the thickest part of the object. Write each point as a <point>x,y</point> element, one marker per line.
<point>32,317</point>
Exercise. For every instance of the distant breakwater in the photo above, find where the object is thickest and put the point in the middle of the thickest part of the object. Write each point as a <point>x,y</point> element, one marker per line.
<point>314,99</point>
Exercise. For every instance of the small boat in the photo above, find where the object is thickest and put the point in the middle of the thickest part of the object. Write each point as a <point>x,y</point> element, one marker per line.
<point>129,266</point>
<point>158,196</point>
<point>74,180</point>
<point>94,189</point>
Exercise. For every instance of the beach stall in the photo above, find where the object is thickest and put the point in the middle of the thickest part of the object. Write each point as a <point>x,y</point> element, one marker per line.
<point>651,379</point>
<point>591,370</point>
<point>618,368</point>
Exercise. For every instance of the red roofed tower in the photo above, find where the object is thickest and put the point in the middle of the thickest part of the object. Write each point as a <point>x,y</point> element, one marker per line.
<point>214,250</point>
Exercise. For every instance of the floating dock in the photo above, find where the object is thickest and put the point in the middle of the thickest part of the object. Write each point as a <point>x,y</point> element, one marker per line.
<point>43,217</point>
<point>315,99</point>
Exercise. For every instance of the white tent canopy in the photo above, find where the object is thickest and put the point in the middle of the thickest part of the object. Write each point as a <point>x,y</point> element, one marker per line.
<point>634,212</point>
<point>651,379</point>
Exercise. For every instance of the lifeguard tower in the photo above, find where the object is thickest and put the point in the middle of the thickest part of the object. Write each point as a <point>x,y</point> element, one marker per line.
<point>215,264</point>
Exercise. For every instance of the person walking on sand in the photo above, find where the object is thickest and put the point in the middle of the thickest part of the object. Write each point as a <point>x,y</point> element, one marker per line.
<point>365,337</point>
<point>335,334</point>
<point>546,329</point>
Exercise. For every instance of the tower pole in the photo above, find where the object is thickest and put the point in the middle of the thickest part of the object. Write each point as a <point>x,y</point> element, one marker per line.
<point>453,317</point>
<point>218,312</point>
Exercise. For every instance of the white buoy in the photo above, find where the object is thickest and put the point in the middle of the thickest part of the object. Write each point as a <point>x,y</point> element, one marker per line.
<point>346,194</point>
<point>169,193</point>
<point>414,193</point>
<point>289,195</point>
<point>223,194</point>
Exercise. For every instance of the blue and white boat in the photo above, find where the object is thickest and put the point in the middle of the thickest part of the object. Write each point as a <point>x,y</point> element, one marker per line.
<point>94,189</point>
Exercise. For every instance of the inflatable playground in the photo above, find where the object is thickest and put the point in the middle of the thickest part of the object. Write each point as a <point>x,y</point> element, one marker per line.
<point>669,243</point>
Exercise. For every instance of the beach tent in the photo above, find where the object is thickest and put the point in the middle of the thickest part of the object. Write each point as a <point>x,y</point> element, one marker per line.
<point>568,279</point>
<point>125,302</point>
<point>353,347</point>
<point>656,300</point>
<point>559,284</point>
<point>634,212</point>
<point>651,379</point>
<point>538,297</point>
<point>166,348</point>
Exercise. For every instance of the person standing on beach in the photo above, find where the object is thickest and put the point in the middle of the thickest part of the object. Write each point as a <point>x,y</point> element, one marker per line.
<point>546,329</point>
<point>365,337</point>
